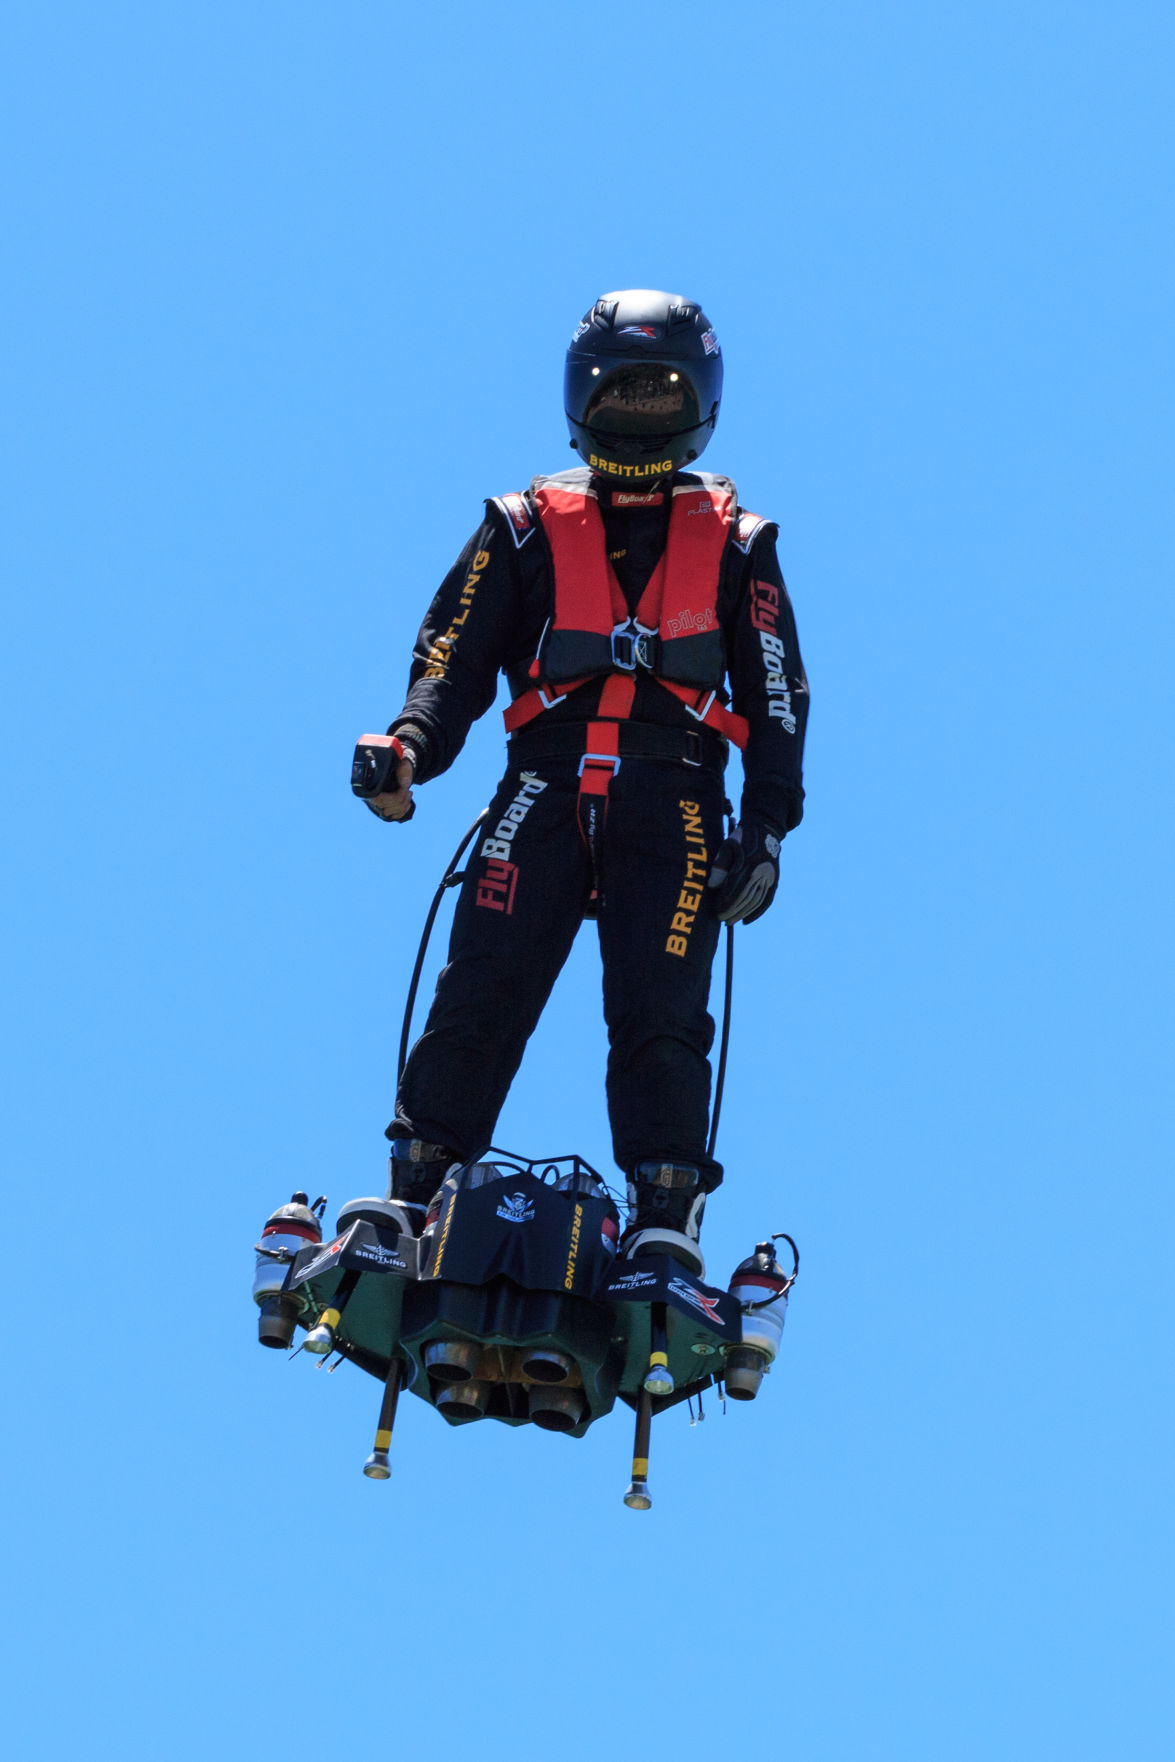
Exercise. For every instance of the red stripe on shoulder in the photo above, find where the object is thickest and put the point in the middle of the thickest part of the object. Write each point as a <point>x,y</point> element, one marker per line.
<point>748,527</point>
<point>518,516</point>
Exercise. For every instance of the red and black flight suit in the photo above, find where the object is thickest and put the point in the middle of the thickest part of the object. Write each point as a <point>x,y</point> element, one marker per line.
<point>530,879</point>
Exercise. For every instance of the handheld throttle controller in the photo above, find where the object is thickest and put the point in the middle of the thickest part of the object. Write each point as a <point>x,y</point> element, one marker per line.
<point>373,769</point>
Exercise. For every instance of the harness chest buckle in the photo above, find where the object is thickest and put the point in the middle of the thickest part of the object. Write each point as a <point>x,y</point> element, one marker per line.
<point>633,645</point>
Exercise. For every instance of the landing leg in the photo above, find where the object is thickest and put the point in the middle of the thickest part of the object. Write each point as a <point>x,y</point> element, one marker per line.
<point>376,1467</point>
<point>657,1379</point>
<point>637,1497</point>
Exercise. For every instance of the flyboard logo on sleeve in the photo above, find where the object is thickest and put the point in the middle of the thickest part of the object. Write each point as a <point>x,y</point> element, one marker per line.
<point>764,616</point>
<point>707,1305</point>
<point>516,1208</point>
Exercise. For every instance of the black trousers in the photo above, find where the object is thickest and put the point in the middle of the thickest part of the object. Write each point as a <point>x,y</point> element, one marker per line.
<point>523,898</point>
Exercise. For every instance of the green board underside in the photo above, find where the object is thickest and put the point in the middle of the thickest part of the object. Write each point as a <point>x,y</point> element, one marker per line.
<point>609,1338</point>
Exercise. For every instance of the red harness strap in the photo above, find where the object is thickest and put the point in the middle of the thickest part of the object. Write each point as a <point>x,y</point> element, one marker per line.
<point>590,608</point>
<point>705,708</point>
<point>600,763</point>
<point>702,705</point>
<point>530,704</point>
<point>601,756</point>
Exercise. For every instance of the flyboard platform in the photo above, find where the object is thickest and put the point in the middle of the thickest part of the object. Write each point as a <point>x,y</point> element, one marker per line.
<point>514,1303</point>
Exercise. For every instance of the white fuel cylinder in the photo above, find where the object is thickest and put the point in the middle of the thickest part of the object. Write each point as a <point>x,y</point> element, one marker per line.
<point>758,1280</point>
<point>290,1228</point>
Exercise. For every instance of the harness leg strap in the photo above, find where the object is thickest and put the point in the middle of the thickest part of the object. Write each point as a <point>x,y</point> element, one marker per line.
<point>600,763</point>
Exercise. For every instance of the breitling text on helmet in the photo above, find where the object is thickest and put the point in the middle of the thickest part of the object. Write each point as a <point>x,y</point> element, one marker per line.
<point>610,468</point>
<point>440,654</point>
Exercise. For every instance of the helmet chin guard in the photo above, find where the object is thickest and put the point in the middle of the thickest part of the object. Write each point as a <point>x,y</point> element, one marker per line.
<point>642,384</point>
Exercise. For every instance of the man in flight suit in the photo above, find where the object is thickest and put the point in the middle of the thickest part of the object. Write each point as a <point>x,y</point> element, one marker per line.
<point>642,622</point>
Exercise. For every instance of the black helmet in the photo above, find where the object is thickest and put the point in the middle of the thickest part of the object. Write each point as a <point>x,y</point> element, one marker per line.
<point>642,384</point>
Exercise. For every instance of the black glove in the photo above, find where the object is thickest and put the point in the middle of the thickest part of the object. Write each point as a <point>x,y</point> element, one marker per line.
<point>745,872</point>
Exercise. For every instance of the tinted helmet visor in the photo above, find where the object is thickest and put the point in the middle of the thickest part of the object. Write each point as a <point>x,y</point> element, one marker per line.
<point>642,400</point>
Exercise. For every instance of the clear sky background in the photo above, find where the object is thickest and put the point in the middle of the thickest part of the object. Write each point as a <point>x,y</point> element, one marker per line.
<point>286,291</point>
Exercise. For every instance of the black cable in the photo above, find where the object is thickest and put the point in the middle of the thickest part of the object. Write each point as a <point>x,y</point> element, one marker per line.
<point>727,994</point>
<point>450,878</point>
<point>720,1080</point>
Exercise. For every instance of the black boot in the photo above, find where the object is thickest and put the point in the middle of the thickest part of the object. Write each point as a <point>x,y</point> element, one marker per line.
<point>415,1172</point>
<point>666,1203</point>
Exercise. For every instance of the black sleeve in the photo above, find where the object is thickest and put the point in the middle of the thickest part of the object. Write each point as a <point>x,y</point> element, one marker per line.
<point>467,636</point>
<point>768,687</point>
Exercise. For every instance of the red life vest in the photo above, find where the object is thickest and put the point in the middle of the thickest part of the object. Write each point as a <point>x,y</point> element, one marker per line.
<point>674,633</point>
<point>592,632</point>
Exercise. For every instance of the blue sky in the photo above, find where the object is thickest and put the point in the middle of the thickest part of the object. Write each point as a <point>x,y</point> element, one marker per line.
<point>286,291</point>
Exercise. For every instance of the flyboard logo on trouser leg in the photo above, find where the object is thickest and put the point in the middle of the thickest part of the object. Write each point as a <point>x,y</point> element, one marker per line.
<point>498,884</point>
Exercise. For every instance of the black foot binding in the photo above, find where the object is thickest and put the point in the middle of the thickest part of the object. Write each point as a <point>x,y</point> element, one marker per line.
<point>666,1205</point>
<point>415,1172</point>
